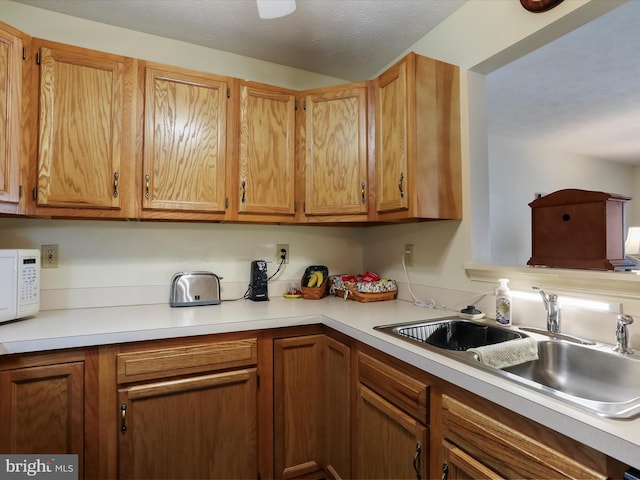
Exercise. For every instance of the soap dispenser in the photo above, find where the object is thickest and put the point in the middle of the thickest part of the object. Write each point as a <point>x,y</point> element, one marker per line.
<point>503,302</point>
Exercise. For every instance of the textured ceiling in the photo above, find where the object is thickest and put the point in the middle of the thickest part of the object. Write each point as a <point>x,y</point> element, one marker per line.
<point>351,39</point>
<point>580,93</point>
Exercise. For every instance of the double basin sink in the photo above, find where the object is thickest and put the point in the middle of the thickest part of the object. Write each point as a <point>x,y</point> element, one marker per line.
<point>591,377</point>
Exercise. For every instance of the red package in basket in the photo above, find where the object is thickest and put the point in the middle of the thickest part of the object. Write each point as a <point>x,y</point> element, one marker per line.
<point>369,277</point>
<point>349,278</point>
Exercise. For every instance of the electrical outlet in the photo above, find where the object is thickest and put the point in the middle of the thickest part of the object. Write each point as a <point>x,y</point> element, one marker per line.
<point>408,254</point>
<point>49,256</point>
<point>282,249</point>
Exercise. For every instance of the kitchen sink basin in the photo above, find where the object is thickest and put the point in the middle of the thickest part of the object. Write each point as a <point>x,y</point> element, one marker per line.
<point>600,380</point>
<point>590,377</point>
<point>451,333</point>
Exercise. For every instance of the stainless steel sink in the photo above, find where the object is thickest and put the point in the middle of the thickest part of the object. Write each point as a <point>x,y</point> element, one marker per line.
<point>590,377</point>
<point>603,381</point>
<point>452,334</point>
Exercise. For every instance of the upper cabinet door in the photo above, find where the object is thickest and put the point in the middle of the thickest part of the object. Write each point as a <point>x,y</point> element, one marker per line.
<point>185,119</point>
<point>336,153</point>
<point>392,139</point>
<point>418,164</point>
<point>81,128</point>
<point>10,118</point>
<point>266,157</point>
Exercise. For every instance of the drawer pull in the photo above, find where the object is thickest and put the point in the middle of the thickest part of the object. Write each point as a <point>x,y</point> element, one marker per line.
<point>445,471</point>
<point>123,418</point>
<point>416,461</point>
<point>116,176</point>
<point>400,185</point>
<point>147,182</point>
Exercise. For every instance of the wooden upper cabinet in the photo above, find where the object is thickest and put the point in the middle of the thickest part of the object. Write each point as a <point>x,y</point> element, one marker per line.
<point>11,67</point>
<point>335,153</point>
<point>417,138</point>
<point>264,185</point>
<point>81,162</point>
<point>184,159</point>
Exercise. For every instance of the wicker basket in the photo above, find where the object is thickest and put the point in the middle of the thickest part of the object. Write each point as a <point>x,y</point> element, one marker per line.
<point>317,292</point>
<point>350,290</point>
<point>352,294</point>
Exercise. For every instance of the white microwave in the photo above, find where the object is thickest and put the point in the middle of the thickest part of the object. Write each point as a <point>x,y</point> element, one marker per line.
<point>19,283</point>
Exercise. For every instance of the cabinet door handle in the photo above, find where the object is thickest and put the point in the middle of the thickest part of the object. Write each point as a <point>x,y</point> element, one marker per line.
<point>123,418</point>
<point>400,185</point>
<point>445,470</point>
<point>147,183</point>
<point>362,185</point>
<point>416,461</point>
<point>116,176</point>
<point>244,191</point>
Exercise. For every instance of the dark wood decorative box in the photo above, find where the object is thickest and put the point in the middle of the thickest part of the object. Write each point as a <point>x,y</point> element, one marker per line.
<point>579,229</point>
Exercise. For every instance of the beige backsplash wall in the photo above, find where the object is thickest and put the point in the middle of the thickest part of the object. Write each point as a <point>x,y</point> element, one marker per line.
<point>104,254</point>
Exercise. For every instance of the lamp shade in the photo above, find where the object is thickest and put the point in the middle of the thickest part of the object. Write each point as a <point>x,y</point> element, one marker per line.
<point>632,245</point>
<point>275,8</point>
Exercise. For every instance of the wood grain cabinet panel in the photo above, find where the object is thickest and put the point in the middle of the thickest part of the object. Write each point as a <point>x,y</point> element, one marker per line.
<point>148,364</point>
<point>265,180</point>
<point>390,443</point>
<point>312,418</point>
<point>42,410</point>
<point>82,163</point>
<point>298,399</point>
<point>513,447</point>
<point>336,184</point>
<point>11,68</point>
<point>184,167</point>
<point>417,138</point>
<point>458,465</point>
<point>197,427</point>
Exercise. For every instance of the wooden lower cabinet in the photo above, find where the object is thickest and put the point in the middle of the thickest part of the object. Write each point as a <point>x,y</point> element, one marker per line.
<point>197,427</point>
<point>392,415</point>
<point>300,402</point>
<point>483,440</point>
<point>311,407</point>
<point>188,410</point>
<point>458,465</point>
<point>44,408</point>
<point>391,444</point>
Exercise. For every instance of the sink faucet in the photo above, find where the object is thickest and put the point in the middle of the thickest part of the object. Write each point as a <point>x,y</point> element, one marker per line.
<point>622,334</point>
<point>553,310</point>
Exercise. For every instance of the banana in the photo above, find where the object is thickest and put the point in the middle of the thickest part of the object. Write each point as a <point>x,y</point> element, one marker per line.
<point>313,279</point>
<point>316,279</point>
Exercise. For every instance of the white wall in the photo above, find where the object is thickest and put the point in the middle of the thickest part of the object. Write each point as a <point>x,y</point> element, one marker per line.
<point>519,170</point>
<point>96,254</point>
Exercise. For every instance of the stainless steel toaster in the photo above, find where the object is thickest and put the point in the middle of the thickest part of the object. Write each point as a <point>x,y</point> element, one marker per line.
<point>194,288</point>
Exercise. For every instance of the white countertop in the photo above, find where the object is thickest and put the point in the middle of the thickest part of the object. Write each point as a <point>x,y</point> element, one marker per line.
<point>57,329</point>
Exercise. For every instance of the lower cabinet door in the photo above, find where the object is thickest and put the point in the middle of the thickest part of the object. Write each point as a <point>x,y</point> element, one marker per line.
<point>42,410</point>
<point>458,465</point>
<point>198,427</point>
<point>389,443</point>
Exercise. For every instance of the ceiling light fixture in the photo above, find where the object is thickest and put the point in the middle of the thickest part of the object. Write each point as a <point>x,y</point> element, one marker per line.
<point>275,8</point>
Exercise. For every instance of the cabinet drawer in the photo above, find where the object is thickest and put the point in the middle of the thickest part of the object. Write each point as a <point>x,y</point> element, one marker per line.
<point>513,454</point>
<point>401,389</point>
<point>172,361</point>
